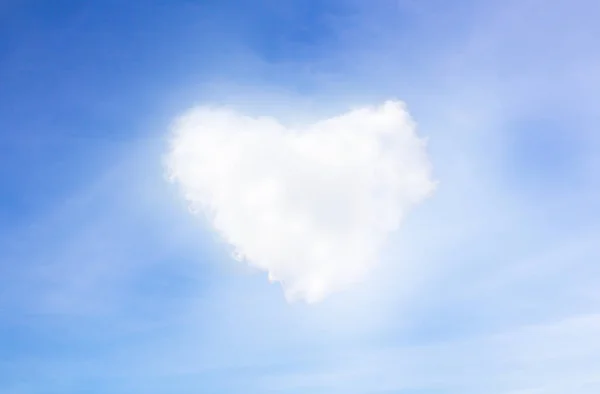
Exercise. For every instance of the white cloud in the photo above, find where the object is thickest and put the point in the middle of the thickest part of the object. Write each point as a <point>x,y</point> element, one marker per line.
<point>312,207</point>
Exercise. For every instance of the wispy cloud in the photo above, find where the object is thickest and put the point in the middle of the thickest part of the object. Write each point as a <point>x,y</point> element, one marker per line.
<point>549,358</point>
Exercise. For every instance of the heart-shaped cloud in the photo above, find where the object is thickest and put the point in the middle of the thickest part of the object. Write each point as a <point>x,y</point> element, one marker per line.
<point>311,207</point>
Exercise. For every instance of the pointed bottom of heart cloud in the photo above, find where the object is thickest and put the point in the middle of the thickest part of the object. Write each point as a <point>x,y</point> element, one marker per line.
<point>312,207</point>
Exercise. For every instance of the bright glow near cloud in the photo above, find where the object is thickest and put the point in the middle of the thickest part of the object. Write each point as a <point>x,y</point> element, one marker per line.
<point>311,207</point>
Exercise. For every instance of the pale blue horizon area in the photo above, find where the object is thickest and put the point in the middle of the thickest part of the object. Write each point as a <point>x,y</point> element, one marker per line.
<point>109,285</point>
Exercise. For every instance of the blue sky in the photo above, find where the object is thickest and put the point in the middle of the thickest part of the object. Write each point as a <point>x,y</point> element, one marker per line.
<point>109,284</point>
